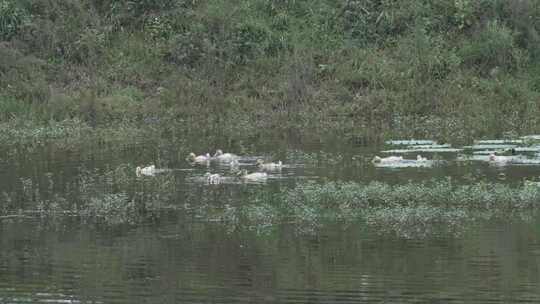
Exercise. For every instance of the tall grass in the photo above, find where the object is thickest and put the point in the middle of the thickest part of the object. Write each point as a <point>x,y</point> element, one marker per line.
<point>364,69</point>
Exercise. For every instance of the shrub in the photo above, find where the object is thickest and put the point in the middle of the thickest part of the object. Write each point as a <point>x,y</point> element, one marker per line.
<point>493,46</point>
<point>12,17</point>
<point>21,76</point>
<point>121,105</point>
<point>187,48</point>
<point>371,21</point>
<point>11,107</point>
<point>425,57</point>
<point>523,17</point>
<point>249,41</point>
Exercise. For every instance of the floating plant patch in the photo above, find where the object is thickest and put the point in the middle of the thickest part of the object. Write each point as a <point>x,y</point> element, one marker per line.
<point>434,146</point>
<point>410,142</point>
<point>490,147</point>
<point>484,152</point>
<point>500,160</point>
<point>524,161</point>
<point>528,149</point>
<point>407,163</point>
<point>497,152</point>
<point>474,157</point>
<point>425,150</point>
<point>498,141</point>
<point>531,137</point>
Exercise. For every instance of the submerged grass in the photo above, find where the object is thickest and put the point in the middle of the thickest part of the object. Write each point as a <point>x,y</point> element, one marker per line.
<point>411,210</point>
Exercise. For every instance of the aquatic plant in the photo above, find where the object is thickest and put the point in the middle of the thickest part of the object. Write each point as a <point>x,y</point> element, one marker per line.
<point>117,196</point>
<point>418,222</point>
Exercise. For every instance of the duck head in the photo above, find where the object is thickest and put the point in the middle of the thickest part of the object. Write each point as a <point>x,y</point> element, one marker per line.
<point>218,153</point>
<point>191,157</point>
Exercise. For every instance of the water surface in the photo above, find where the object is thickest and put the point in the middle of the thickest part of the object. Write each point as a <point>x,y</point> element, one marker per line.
<point>182,258</point>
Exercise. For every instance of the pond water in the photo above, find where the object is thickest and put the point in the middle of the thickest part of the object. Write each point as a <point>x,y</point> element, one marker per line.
<point>183,258</point>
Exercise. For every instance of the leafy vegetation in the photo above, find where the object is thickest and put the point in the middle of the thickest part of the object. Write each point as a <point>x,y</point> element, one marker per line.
<point>367,69</point>
<point>117,196</point>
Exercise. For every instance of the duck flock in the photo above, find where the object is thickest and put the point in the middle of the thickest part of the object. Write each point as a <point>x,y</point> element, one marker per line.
<point>401,154</point>
<point>498,152</point>
<point>228,159</point>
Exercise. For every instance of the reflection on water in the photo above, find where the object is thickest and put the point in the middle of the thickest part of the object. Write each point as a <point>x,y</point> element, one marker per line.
<point>181,259</point>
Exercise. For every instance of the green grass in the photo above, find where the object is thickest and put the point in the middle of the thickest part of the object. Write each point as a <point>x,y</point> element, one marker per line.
<point>76,73</point>
<point>363,69</point>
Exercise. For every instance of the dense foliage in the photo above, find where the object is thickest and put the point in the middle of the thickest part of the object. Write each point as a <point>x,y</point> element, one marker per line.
<point>244,68</point>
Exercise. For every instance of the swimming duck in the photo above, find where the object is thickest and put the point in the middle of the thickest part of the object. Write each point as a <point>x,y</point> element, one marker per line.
<point>224,157</point>
<point>499,159</point>
<point>148,171</point>
<point>387,160</point>
<point>269,166</point>
<point>255,176</point>
<point>212,179</point>
<point>198,158</point>
<point>420,158</point>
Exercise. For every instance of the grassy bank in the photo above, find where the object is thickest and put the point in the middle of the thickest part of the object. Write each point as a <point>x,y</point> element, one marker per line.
<point>23,138</point>
<point>116,196</point>
<point>366,69</point>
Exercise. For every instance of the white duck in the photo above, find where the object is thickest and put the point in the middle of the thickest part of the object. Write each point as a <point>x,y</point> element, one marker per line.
<point>269,166</point>
<point>213,179</point>
<point>499,159</point>
<point>387,160</point>
<point>224,157</point>
<point>420,158</point>
<point>147,171</point>
<point>199,159</point>
<point>255,176</point>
